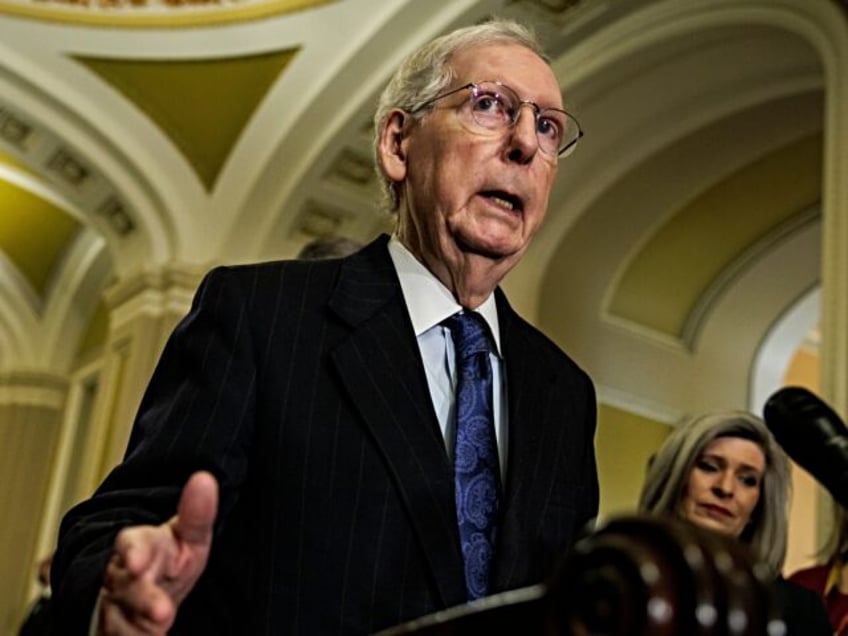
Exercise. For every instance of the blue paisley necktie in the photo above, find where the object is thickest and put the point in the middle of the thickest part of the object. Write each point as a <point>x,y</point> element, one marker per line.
<point>476,472</point>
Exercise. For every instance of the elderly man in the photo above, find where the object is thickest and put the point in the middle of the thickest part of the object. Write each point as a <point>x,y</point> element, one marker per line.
<point>337,446</point>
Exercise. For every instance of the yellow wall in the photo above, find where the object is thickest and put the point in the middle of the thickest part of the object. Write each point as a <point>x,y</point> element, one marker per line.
<point>625,441</point>
<point>623,445</point>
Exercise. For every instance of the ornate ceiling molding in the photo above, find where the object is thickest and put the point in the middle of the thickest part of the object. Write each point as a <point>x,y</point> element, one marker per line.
<point>153,13</point>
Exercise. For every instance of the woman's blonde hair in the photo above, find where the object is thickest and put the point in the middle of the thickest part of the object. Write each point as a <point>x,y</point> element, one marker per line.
<point>670,467</point>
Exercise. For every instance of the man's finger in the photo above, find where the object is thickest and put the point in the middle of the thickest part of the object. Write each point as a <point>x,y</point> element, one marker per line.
<point>197,509</point>
<point>137,547</point>
<point>140,611</point>
<point>112,621</point>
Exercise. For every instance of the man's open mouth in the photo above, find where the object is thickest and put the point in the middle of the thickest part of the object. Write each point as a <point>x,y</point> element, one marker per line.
<point>505,200</point>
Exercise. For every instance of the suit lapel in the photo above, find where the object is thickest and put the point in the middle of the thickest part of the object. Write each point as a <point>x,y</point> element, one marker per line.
<point>380,367</point>
<point>532,466</point>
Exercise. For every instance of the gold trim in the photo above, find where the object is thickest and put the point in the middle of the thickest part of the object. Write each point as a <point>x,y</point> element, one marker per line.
<point>168,13</point>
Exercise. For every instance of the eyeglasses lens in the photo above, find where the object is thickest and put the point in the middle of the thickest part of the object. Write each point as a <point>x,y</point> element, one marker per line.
<point>497,107</point>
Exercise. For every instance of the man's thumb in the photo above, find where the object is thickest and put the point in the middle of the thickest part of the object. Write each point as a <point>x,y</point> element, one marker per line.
<point>197,509</point>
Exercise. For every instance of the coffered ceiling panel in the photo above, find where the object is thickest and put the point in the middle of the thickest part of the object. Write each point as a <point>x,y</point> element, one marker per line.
<point>201,105</point>
<point>34,234</point>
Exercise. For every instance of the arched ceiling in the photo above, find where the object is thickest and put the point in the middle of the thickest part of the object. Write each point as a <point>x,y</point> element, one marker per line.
<point>144,132</point>
<point>692,227</point>
<point>688,252</point>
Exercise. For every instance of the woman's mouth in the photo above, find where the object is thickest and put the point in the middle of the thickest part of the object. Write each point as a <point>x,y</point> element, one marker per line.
<point>717,511</point>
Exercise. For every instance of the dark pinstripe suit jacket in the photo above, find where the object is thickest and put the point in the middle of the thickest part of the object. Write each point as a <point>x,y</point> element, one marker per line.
<point>300,385</point>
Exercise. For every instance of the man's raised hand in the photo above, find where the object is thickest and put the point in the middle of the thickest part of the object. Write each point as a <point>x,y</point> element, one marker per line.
<point>153,568</point>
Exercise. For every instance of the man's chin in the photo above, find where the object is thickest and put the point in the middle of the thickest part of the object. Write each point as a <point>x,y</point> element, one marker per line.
<point>492,250</point>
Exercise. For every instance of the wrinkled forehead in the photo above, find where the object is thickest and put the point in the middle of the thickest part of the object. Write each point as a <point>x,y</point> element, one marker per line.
<point>512,64</point>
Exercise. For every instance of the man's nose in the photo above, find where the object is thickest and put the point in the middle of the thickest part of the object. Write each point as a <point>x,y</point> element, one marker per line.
<point>523,142</point>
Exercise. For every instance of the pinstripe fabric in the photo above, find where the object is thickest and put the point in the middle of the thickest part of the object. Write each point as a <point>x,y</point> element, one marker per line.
<point>300,386</point>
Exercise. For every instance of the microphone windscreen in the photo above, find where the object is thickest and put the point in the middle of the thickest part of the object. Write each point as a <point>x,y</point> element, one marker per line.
<point>813,435</point>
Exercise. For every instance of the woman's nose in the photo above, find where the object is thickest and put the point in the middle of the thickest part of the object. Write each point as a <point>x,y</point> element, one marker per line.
<point>723,485</point>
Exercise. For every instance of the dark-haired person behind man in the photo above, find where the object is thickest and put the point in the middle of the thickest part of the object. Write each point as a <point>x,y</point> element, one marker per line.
<point>291,469</point>
<point>329,247</point>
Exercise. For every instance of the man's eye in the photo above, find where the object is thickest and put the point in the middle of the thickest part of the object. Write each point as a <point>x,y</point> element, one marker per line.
<point>489,105</point>
<point>549,128</point>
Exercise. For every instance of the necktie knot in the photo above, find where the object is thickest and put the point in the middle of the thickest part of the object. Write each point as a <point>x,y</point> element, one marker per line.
<point>470,334</point>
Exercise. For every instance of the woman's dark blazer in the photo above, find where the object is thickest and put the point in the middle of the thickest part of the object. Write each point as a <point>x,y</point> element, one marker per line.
<point>803,610</point>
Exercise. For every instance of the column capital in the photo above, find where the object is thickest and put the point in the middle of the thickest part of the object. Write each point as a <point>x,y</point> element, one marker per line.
<point>33,388</point>
<point>153,293</point>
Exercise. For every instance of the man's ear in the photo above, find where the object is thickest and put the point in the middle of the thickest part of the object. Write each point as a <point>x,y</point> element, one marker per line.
<point>392,147</point>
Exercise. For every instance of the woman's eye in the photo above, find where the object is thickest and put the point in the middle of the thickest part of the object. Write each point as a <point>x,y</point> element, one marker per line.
<point>706,465</point>
<point>751,481</point>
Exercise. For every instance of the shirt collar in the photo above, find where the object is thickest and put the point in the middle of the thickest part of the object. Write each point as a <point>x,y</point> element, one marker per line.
<point>427,300</point>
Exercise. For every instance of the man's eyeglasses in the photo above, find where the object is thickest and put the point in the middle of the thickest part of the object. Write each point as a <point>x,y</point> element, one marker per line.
<point>496,107</point>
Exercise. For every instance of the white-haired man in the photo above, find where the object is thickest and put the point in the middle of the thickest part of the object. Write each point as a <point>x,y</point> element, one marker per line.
<point>294,467</point>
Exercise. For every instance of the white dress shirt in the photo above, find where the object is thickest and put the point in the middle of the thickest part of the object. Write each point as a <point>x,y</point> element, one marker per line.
<point>429,302</point>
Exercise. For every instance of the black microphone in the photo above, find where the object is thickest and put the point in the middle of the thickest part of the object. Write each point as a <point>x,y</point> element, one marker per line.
<point>813,435</point>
